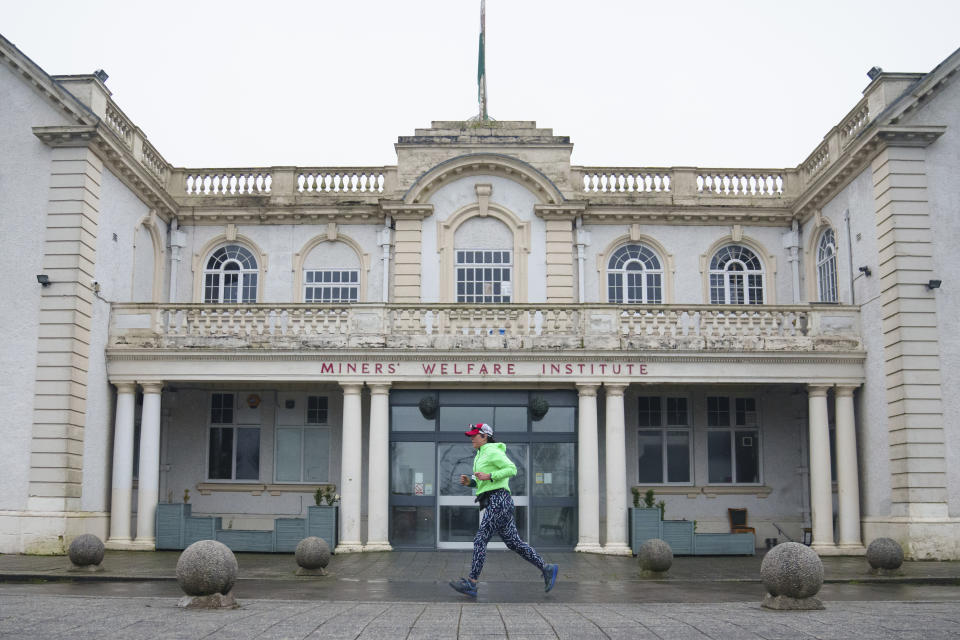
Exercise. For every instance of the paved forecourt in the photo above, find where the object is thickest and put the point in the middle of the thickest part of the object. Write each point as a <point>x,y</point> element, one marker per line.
<point>80,617</point>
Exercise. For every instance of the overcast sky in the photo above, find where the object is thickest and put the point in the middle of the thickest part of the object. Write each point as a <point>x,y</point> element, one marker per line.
<point>710,84</point>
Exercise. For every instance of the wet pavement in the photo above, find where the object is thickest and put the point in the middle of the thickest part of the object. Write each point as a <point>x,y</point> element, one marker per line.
<point>405,595</point>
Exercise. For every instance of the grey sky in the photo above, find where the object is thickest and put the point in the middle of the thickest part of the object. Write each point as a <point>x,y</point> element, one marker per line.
<point>709,84</point>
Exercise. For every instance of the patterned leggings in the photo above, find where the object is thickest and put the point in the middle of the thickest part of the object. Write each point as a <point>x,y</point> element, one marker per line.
<point>498,518</point>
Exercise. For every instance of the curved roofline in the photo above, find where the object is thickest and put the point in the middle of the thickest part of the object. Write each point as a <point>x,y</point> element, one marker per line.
<point>438,175</point>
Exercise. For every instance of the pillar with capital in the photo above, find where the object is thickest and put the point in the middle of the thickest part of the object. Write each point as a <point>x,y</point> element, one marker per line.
<point>351,470</point>
<point>148,476</point>
<point>848,477</point>
<point>588,472</point>
<point>121,490</point>
<point>378,498</point>
<point>821,492</point>
<point>616,472</point>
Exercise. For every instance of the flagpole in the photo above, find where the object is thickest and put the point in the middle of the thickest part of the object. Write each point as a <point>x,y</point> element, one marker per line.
<point>481,63</point>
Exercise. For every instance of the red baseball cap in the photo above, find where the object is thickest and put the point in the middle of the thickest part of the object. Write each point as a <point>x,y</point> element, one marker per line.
<point>481,427</point>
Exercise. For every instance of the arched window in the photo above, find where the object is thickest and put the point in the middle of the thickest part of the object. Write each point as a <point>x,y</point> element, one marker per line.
<point>230,276</point>
<point>736,276</point>
<point>827,267</point>
<point>634,276</point>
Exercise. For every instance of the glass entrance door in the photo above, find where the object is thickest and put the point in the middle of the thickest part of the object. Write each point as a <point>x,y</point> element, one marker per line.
<point>458,514</point>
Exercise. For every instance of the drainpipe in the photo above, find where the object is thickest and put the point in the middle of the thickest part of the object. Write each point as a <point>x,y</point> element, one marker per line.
<point>384,242</point>
<point>583,239</point>
<point>794,246</point>
<point>177,242</point>
<point>846,218</point>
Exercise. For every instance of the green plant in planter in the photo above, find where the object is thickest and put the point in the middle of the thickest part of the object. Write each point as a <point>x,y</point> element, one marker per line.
<point>648,499</point>
<point>186,496</point>
<point>636,496</point>
<point>318,496</point>
<point>663,508</point>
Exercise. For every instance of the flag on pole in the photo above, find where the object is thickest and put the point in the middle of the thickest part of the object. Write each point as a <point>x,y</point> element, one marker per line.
<point>481,70</point>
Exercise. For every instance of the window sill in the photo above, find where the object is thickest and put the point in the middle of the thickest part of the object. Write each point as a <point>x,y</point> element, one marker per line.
<point>256,489</point>
<point>710,491</point>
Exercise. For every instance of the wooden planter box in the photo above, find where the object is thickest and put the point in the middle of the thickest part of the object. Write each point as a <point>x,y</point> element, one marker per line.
<point>646,524</point>
<point>177,528</point>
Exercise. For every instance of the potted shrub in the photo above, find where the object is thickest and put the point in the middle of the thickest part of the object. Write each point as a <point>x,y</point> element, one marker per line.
<point>645,518</point>
<point>322,516</point>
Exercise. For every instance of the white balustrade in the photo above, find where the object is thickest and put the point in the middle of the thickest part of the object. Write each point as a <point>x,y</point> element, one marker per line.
<point>153,162</point>
<point>279,324</point>
<point>119,124</point>
<point>857,121</point>
<point>625,180</point>
<point>340,181</point>
<point>743,184</point>
<point>228,182</point>
<point>817,161</point>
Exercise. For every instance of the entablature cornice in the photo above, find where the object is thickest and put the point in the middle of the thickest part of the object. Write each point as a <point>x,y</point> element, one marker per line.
<point>566,211</point>
<point>266,215</point>
<point>698,216</point>
<point>871,142</point>
<point>102,141</point>
<point>399,210</point>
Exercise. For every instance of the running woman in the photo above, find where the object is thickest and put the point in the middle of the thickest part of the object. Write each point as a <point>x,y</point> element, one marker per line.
<point>492,470</point>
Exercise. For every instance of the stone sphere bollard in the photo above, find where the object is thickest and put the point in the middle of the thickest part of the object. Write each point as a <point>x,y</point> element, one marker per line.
<point>885,556</point>
<point>656,558</point>
<point>313,556</point>
<point>793,575</point>
<point>86,553</point>
<point>207,571</point>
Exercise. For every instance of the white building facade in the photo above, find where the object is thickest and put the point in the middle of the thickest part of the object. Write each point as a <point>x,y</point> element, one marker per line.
<point>235,339</point>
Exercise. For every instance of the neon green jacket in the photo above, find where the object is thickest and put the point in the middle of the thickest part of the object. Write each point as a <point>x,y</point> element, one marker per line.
<point>492,458</point>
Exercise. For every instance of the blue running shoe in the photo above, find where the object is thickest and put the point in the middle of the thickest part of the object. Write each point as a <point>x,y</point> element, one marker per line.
<point>550,572</point>
<point>465,587</point>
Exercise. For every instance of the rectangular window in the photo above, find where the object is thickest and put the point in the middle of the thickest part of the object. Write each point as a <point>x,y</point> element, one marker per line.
<point>317,409</point>
<point>303,454</point>
<point>479,283</point>
<point>331,285</point>
<point>233,452</point>
<point>733,447</point>
<point>663,440</point>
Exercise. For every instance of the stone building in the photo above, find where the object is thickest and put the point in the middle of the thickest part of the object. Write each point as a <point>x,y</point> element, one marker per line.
<point>769,339</point>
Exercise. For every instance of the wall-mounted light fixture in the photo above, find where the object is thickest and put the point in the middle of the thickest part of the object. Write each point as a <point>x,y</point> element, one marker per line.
<point>866,271</point>
<point>43,279</point>
<point>933,284</point>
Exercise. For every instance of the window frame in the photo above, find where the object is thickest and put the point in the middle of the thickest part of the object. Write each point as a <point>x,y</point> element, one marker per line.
<point>303,428</point>
<point>245,274</point>
<point>826,267</point>
<point>731,428</point>
<point>353,285</point>
<point>235,427</point>
<point>724,271</point>
<point>645,272</point>
<point>509,266</point>
<point>664,430</point>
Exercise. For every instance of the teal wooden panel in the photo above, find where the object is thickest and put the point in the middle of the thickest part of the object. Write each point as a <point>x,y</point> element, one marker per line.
<point>289,532</point>
<point>728,544</point>
<point>241,540</point>
<point>169,525</point>
<point>644,525</point>
<point>679,535</point>
<point>197,528</point>
<point>322,523</point>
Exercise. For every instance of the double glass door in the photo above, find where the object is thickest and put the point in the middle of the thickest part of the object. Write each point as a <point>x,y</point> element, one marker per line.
<point>459,514</point>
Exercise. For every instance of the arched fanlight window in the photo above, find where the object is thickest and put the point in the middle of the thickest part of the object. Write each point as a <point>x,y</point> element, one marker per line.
<point>827,267</point>
<point>635,276</point>
<point>736,276</point>
<point>230,276</point>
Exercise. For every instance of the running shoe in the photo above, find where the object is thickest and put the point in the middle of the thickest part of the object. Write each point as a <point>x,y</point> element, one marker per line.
<point>550,572</point>
<point>465,587</point>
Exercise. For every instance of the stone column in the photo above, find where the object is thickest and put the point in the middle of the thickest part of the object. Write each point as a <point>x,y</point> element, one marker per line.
<point>848,477</point>
<point>121,494</point>
<point>378,498</point>
<point>821,493</point>
<point>148,477</point>
<point>616,472</point>
<point>351,471</point>
<point>588,473</point>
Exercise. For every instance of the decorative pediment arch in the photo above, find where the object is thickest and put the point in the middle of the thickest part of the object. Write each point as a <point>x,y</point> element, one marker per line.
<point>486,164</point>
